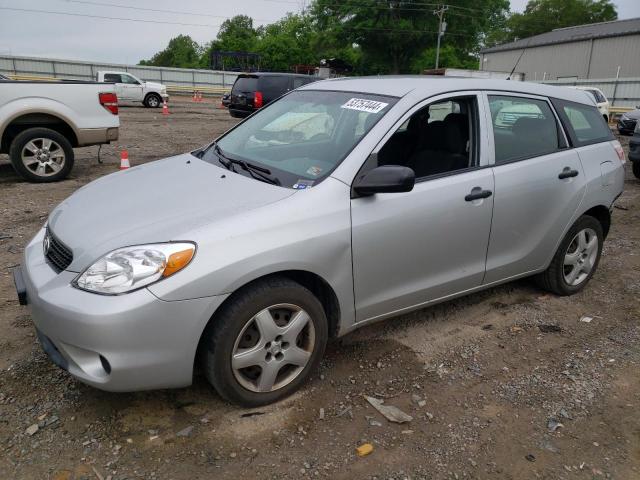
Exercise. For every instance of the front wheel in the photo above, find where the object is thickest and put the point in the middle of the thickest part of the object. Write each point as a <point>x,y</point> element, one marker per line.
<point>636,168</point>
<point>576,259</point>
<point>265,342</point>
<point>41,155</point>
<point>152,101</point>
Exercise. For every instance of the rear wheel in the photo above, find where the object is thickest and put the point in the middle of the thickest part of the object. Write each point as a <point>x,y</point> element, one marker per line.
<point>152,100</point>
<point>636,168</point>
<point>576,259</point>
<point>265,342</point>
<point>41,155</point>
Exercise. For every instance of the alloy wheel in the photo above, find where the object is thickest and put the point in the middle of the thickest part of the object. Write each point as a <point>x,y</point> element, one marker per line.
<point>43,156</point>
<point>273,348</point>
<point>580,257</point>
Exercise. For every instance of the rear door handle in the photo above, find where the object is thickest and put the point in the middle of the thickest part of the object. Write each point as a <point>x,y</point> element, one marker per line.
<point>567,172</point>
<point>477,194</point>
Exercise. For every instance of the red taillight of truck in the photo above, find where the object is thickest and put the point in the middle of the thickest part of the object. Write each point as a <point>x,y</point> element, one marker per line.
<point>109,101</point>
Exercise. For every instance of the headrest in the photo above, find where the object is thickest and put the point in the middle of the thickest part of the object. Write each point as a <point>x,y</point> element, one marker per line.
<point>459,119</point>
<point>453,139</point>
<point>432,135</point>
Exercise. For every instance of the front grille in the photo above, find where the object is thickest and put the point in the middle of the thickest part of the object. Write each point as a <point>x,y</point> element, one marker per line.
<point>58,254</point>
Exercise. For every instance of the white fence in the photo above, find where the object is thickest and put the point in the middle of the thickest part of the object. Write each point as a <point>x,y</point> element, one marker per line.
<point>621,92</point>
<point>177,79</point>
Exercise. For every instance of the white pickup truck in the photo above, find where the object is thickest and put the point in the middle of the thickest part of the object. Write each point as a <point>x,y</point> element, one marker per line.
<point>41,123</point>
<point>129,88</point>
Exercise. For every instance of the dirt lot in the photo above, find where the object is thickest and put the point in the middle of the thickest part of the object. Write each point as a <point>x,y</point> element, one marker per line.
<point>487,378</point>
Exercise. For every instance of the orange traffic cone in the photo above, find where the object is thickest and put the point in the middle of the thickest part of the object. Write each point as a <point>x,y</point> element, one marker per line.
<point>199,96</point>
<point>124,160</point>
<point>165,108</point>
<point>195,97</point>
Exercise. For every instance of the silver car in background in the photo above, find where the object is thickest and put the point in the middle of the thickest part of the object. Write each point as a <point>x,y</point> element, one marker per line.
<point>345,202</point>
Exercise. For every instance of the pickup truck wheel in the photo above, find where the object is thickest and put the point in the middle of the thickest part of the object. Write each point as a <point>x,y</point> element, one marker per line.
<point>636,168</point>
<point>265,342</point>
<point>576,259</point>
<point>41,155</point>
<point>152,101</point>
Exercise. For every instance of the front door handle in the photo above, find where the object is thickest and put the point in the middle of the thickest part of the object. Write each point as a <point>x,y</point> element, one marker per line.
<point>567,172</point>
<point>477,194</point>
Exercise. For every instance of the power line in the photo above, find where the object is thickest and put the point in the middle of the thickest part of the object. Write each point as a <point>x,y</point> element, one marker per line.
<point>159,10</point>
<point>108,18</point>
<point>125,19</point>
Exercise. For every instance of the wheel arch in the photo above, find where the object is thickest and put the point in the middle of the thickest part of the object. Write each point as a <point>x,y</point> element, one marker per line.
<point>24,121</point>
<point>603,215</point>
<point>152,94</point>
<point>323,291</point>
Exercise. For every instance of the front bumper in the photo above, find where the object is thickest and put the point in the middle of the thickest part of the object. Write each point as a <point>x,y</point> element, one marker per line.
<point>118,343</point>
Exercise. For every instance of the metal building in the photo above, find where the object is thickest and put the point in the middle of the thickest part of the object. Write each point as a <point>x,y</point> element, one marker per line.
<point>599,50</point>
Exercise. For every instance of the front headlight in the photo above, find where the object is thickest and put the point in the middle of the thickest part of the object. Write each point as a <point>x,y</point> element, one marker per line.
<point>131,268</point>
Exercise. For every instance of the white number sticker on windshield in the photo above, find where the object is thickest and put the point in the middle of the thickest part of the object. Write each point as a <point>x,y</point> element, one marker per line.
<point>364,105</point>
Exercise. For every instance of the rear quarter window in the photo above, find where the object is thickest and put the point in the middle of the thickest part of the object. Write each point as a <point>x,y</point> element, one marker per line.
<point>584,123</point>
<point>272,86</point>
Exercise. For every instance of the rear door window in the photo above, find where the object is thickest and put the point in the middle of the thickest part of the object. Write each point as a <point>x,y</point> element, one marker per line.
<point>522,128</point>
<point>584,123</point>
<point>245,84</point>
<point>112,77</point>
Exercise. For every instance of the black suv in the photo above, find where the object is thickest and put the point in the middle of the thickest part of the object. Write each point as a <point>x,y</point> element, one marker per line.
<point>252,91</point>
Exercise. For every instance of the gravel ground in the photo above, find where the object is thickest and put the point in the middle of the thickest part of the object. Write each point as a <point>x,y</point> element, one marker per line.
<point>504,384</point>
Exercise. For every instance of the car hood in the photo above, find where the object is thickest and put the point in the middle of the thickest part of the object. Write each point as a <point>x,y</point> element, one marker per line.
<point>154,85</point>
<point>634,114</point>
<point>160,201</point>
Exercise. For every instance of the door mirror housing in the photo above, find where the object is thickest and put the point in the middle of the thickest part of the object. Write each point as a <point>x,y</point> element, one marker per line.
<point>385,179</point>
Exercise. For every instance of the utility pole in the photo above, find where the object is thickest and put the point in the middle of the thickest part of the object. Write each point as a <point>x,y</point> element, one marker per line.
<point>442,26</point>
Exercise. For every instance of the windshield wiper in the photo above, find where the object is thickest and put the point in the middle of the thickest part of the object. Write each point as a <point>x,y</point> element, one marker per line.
<point>256,171</point>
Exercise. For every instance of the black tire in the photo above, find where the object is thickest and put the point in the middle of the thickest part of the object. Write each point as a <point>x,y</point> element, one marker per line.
<point>635,166</point>
<point>553,279</point>
<point>229,323</point>
<point>26,136</point>
<point>152,100</point>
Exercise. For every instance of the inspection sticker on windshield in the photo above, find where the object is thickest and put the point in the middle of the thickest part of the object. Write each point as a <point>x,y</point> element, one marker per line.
<point>364,105</point>
<point>302,184</point>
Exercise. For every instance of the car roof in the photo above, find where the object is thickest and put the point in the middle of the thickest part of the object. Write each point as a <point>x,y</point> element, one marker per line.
<point>273,74</point>
<point>430,85</point>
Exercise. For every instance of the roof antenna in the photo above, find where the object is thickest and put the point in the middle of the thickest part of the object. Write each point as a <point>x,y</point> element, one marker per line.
<point>518,60</point>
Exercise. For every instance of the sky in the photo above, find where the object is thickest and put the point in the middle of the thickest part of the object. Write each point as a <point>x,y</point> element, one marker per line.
<point>46,33</point>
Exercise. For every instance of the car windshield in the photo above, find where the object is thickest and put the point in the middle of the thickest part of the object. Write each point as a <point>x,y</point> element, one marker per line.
<point>303,136</point>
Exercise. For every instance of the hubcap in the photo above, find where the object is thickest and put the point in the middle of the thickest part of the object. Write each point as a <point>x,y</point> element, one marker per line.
<point>273,348</point>
<point>43,156</point>
<point>580,257</point>
<point>153,101</point>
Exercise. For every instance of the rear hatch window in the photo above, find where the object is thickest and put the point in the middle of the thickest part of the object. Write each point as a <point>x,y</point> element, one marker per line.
<point>245,85</point>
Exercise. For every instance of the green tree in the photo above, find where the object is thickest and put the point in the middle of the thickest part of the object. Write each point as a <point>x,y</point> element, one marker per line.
<point>287,42</point>
<point>393,35</point>
<point>182,52</point>
<point>235,34</point>
<point>545,15</point>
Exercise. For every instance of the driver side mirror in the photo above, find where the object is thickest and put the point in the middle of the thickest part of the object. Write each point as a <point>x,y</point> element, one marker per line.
<point>385,179</point>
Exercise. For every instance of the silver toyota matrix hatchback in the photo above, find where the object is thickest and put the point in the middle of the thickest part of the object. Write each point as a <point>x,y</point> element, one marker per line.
<point>342,203</point>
